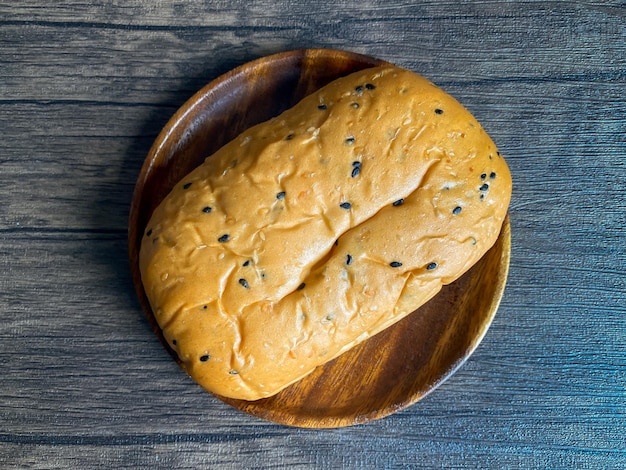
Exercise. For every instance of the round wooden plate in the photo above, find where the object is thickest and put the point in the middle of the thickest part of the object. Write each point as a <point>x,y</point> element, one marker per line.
<point>387,372</point>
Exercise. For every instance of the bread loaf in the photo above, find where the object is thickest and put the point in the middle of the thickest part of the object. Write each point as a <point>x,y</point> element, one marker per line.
<point>313,231</point>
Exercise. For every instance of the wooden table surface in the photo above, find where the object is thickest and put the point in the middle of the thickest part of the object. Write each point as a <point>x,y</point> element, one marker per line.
<point>85,88</point>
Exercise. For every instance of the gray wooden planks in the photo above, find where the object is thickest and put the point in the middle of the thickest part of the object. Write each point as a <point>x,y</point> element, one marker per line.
<point>84,90</point>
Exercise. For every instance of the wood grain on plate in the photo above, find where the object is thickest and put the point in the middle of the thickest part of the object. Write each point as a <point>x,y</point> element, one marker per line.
<point>385,373</point>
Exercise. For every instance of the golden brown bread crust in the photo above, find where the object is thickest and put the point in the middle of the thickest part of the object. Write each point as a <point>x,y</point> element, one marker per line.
<point>319,228</point>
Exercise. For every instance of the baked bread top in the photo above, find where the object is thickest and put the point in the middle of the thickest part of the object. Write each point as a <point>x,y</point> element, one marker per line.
<point>319,228</point>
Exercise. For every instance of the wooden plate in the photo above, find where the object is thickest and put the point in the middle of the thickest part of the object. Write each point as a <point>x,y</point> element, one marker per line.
<point>387,372</point>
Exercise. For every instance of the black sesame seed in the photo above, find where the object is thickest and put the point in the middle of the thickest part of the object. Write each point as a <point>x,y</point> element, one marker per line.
<point>322,107</point>
<point>482,196</point>
<point>492,175</point>
<point>345,205</point>
<point>148,233</point>
<point>205,358</point>
<point>355,105</point>
<point>439,111</point>
<point>456,210</point>
<point>484,187</point>
<point>280,195</point>
<point>246,263</point>
<point>356,169</point>
<point>224,238</point>
<point>395,264</point>
<point>244,283</point>
<point>186,185</point>
<point>207,209</point>
<point>359,89</point>
<point>301,286</point>
<point>289,137</point>
<point>431,266</point>
<point>350,140</point>
<point>205,307</point>
<point>399,202</point>
<point>174,342</point>
<point>348,260</point>
<point>370,86</point>
<point>233,372</point>
<point>483,176</point>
